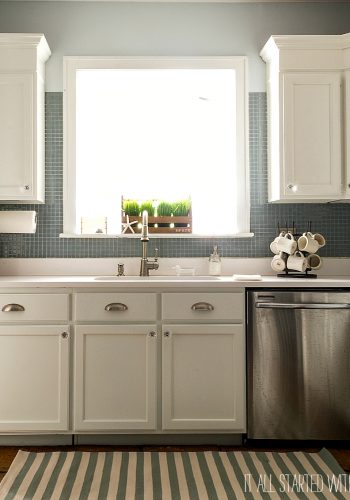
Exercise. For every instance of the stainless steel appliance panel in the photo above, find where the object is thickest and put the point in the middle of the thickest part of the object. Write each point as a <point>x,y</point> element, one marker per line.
<point>298,364</point>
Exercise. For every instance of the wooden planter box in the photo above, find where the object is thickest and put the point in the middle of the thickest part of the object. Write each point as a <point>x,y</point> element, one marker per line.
<point>182,224</point>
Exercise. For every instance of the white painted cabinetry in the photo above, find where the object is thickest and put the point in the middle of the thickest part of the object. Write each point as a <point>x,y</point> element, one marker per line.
<point>203,377</point>
<point>197,383</point>
<point>115,377</point>
<point>311,136</point>
<point>22,124</point>
<point>34,362</point>
<point>347,124</point>
<point>144,361</point>
<point>115,364</point>
<point>203,362</point>
<point>305,78</point>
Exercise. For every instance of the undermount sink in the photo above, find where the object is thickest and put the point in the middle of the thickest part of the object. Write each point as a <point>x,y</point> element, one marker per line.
<point>158,278</point>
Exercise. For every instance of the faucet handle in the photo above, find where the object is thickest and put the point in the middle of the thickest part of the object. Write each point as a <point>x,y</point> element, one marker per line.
<point>156,254</point>
<point>120,270</point>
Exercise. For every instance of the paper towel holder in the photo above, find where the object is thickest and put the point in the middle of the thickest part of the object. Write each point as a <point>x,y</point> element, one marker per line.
<point>18,221</point>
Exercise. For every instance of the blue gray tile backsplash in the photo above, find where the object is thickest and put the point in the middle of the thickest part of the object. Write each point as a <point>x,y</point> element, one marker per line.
<point>330,219</point>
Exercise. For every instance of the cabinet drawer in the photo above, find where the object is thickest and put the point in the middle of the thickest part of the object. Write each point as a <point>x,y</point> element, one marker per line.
<point>115,307</point>
<point>203,306</point>
<point>15,307</point>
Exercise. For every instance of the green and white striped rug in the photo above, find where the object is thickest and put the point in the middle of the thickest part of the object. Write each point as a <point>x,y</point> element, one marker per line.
<point>210,475</point>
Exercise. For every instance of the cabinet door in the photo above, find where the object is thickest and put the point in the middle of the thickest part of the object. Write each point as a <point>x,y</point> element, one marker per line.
<point>347,133</point>
<point>16,136</point>
<point>34,371</point>
<point>115,377</point>
<point>203,369</point>
<point>311,135</point>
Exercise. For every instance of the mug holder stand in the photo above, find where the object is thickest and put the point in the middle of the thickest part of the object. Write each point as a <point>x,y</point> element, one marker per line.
<point>287,273</point>
<point>296,274</point>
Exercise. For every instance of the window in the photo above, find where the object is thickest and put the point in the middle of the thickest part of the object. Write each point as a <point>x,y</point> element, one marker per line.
<point>163,133</point>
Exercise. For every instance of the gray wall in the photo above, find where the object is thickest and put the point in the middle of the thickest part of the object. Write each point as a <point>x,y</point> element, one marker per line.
<point>121,28</point>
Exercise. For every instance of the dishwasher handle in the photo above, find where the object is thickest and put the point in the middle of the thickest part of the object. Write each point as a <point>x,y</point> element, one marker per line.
<point>281,305</point>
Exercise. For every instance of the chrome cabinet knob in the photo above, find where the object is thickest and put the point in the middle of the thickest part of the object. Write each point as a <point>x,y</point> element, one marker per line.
<point>152,334</point>
<point>167,334</point>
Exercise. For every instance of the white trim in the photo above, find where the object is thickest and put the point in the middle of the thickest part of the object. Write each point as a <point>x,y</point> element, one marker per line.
<point>155,235</point>
<point>311,45</point>
<point>25,40</point>
<point>73,63</point>
<point>69,102</point>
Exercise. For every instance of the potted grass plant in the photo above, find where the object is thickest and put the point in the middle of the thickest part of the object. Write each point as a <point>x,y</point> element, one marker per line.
<point>131,207</point>
<point>164,209</point>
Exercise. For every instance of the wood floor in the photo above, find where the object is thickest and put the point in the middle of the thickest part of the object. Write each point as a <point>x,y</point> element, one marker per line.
<point>8,453</point>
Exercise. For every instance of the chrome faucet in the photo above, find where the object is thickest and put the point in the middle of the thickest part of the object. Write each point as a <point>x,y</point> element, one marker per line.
<point>146,264</point>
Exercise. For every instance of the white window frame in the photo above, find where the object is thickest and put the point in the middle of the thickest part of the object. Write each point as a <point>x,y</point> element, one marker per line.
<point>71,64</point>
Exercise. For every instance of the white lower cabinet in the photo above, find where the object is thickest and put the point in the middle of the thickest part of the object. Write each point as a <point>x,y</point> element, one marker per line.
<point>115,377</point>
<point>203,374</point>
<point>121,385</point>
<point>34,374</point>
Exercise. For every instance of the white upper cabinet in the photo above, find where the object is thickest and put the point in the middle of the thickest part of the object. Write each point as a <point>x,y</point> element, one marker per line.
<point>305,87</point>
<point>347,122</point>
<point>22,125</point>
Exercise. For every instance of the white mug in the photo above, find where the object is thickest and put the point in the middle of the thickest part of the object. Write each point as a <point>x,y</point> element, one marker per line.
<point>273,244</point>
<point>297,262</point>
<point>320,239</point>
<point>286,243</point>
<point>278,263</point>
<point>308,243</point>
<point>273,247</point>
<point>314,261</point>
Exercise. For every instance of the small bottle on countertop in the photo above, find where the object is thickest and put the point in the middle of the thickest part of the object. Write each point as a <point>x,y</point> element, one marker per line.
<point>215,262</point>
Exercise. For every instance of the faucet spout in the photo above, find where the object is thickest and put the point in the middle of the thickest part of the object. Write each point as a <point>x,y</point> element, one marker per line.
<point>146,264</point>
<point>144,231</point>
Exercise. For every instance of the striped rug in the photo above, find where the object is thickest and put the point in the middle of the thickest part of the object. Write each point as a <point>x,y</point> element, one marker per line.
<point>174,475</point>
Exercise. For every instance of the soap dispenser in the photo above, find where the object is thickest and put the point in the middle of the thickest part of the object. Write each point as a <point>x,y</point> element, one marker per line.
<point>215,262</point>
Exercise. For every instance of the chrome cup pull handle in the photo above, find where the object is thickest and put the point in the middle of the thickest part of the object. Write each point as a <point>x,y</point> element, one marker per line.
<point>116,306</point>
<point>13,308</point>
<point>202,306</point>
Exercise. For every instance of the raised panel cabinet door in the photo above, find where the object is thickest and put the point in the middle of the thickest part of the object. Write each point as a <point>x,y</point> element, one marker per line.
<point>347,133</point>
<point>115,377</point>
<point>311,152</point>
<point>203,377</point>
<point>34,374</point>
<point>16,136</point>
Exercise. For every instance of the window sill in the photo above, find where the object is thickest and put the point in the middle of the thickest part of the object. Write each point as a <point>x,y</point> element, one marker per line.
<point>155,236</point>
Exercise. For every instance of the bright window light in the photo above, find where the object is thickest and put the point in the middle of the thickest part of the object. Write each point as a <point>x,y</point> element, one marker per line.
<point>159,134</point>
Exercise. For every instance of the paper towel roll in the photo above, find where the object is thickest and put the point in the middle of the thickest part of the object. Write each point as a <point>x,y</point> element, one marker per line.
<point>18,221</point>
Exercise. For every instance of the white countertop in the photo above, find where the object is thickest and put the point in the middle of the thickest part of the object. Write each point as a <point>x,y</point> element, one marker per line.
<point>78,273</point>
<point>205,282</point>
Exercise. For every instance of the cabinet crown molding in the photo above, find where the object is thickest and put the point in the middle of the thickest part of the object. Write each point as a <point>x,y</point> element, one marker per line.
<point>313,52</point>
<point>26,40</point>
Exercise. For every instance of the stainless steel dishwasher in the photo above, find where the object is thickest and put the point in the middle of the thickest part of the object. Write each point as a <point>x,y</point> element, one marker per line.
<point>298,349</point>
